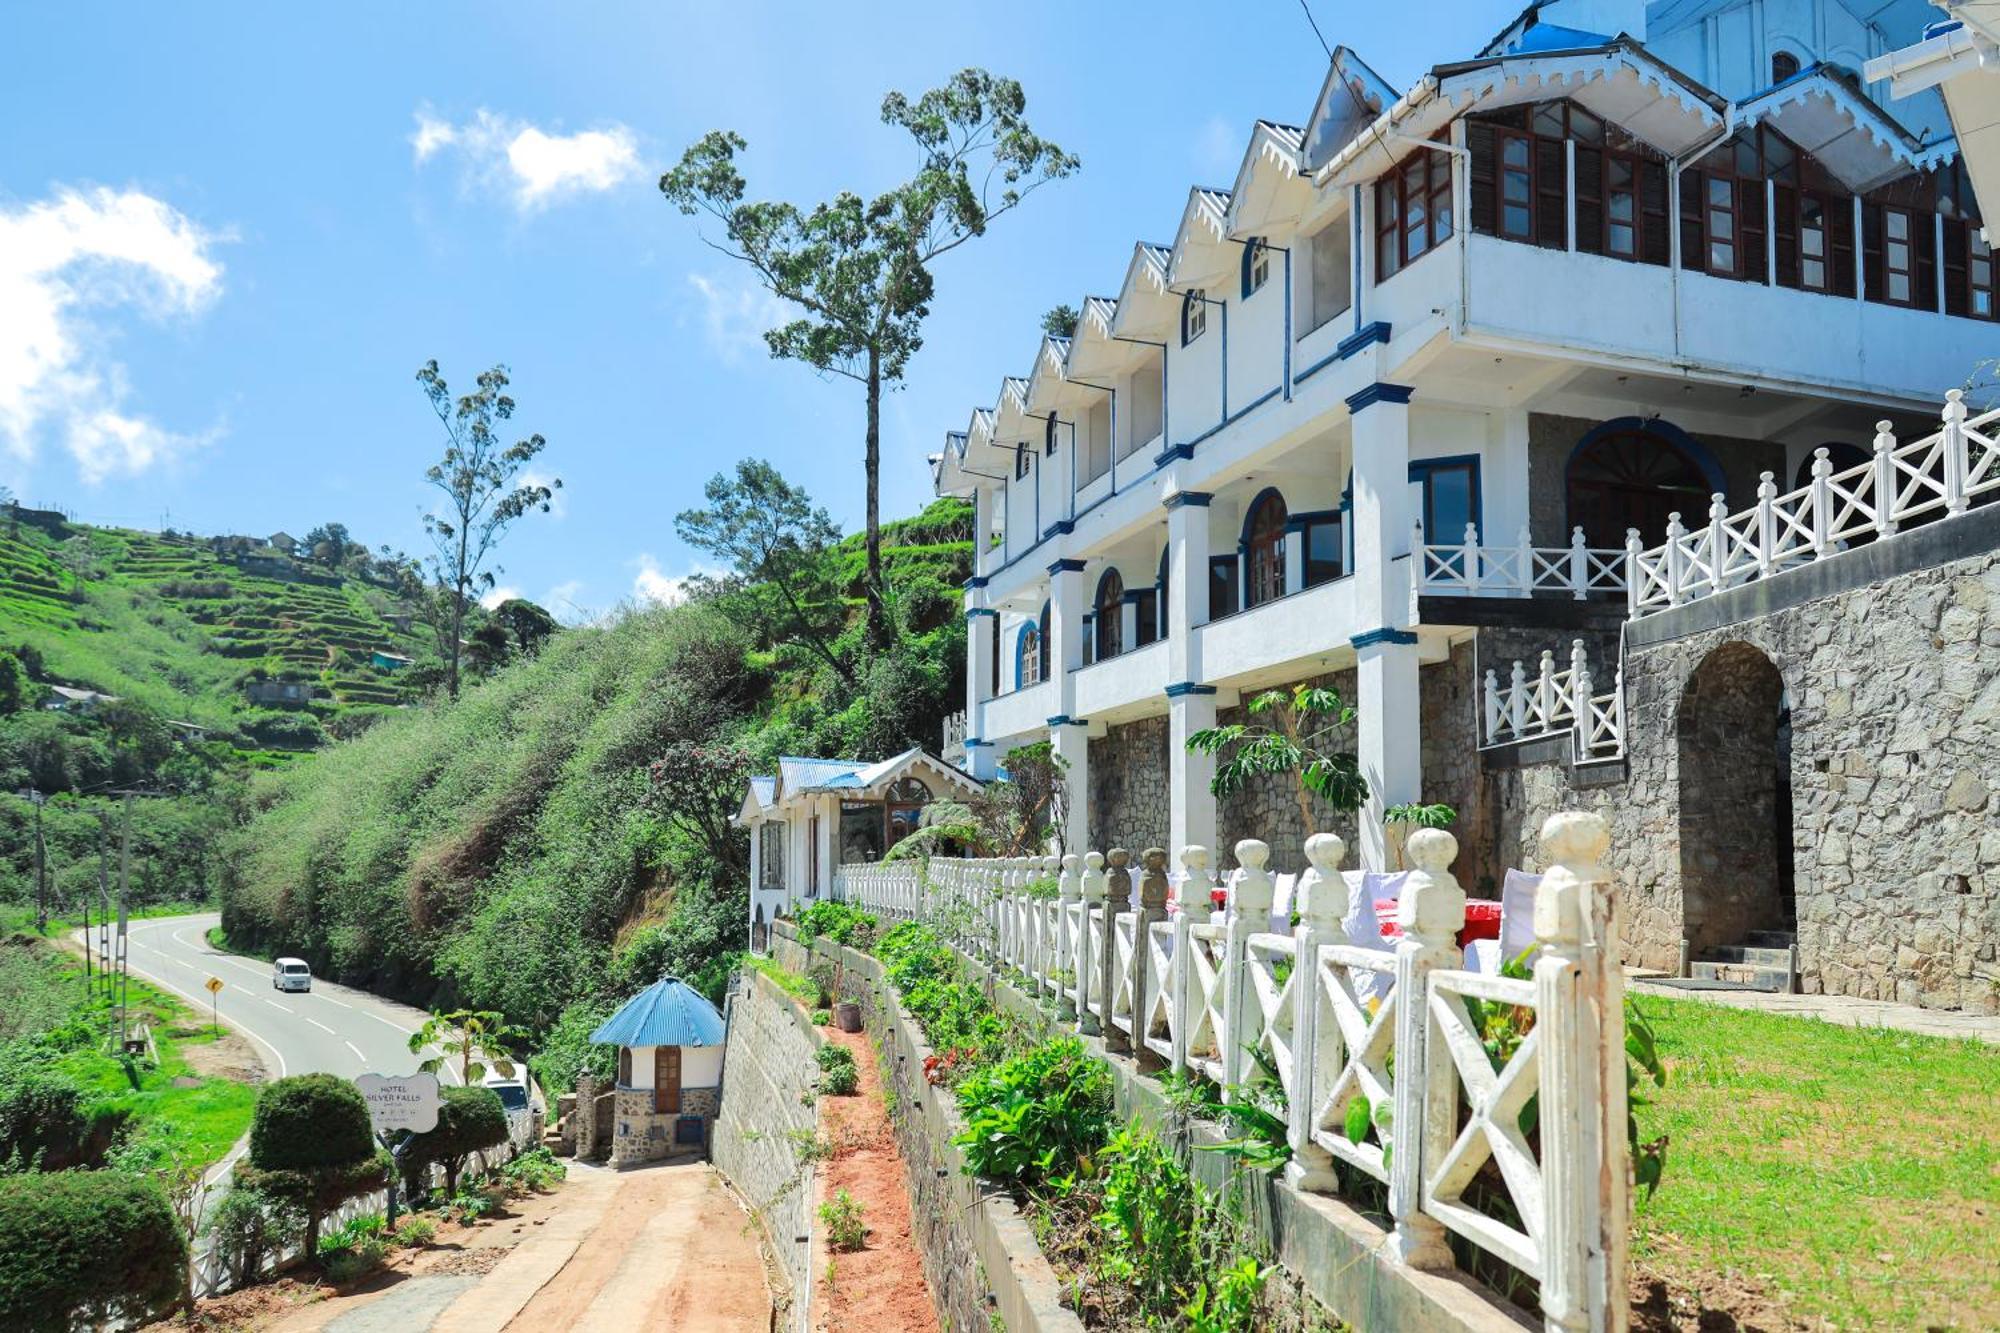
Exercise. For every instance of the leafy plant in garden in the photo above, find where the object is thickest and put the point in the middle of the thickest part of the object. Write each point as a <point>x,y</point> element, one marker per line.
<point>470,1119</point>
<point>846,1229</point>
<point>838,1075</point>
<point>476,1039</point>
<point>843,923</point>
<point>1036,1116</point>
<point>1416,815</point>
<point>1307,722</point>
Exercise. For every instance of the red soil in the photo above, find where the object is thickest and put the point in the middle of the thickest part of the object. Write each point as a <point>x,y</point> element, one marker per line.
<point>880,1287</point>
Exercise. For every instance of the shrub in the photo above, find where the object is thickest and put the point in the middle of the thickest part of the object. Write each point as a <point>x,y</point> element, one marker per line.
<point>310,1144</point>
<point>246,1224</point>
<point>469,1119</point>
<point>842,923</point>
<point>42,1121</point>
<point>86,1248</point>
<point>536,1169</point>
<point>822,1017</point>
<point>842,1217</point>
<point>416,1231</point>
<point>355,1249</point>
<point>566,1050</point>
<point>1031,1118</point>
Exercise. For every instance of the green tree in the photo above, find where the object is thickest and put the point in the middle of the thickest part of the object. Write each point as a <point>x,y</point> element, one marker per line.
<point>473,1037</point>
<point>1060,322</point>
<point>777,543</point>
<point>698,789</point>
<point>329,544</point>
<point>16,690</point>
<point>86,1249</point>
<point>1309,720</point>
<point>859,271</point>
<point>527,624</point>
<point>310,1144</point>
<point>485,492</point>
<point>469,1119</point>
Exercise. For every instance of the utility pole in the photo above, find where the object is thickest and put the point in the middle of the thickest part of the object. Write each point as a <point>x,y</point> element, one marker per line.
<point>41,870</point>
<point>124,906</point>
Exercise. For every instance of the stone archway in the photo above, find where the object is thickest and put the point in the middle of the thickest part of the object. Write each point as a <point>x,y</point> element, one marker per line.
<point>1734,735</point>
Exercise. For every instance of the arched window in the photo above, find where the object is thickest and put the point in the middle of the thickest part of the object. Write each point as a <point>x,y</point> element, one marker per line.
<point>1194,315</point>
<point>1264,548</point>
<point>1256,265</point>
<point>907,800</point>
<point>1635,474</point>
<point>1110,615</point>
<point>1028,656</point>
<point>1783,66</point>
<point>1161,596</point>
<point>1838,452</point>
<point>1042,628</point>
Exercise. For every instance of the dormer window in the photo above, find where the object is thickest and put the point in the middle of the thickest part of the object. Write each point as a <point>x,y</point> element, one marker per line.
<point>1783,66</point>
<point>1256,265</point>
<point>1049,436</point>
<point>1023,460</point>
<point>1194,315</point>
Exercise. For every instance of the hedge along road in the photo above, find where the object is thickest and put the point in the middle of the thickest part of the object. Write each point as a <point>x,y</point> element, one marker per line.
<point>329,1029</point>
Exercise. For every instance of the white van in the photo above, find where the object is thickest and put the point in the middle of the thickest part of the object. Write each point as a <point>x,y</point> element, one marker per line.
<point>512,1089</point>
<point>291,974</point>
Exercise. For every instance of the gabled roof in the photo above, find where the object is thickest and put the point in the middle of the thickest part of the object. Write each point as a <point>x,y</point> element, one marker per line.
<point>667,1013</point>
<point>1349,100</point>
<point>1269,174</point>
<point>1199,241</point>
<point>1143,299</point>
<point>1824,112</point>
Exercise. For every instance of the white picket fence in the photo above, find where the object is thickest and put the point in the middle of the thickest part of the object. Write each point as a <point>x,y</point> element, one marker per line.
<point>1939,474</point>
<point>1469,569</point>
<point>1555,702</point>
<point>1219,998</point>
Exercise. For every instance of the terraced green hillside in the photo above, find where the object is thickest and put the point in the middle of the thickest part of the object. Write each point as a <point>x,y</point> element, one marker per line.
<point>183,628</point>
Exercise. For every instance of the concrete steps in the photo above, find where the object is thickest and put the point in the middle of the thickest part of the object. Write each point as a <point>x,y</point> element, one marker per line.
<point>1762,962</point>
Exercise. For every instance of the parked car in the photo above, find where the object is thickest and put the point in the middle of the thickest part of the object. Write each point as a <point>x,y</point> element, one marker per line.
<point>291,974</point>
<point>512,1090</point>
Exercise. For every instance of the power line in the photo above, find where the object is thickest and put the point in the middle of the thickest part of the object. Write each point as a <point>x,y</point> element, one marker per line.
<point>1315,27</point>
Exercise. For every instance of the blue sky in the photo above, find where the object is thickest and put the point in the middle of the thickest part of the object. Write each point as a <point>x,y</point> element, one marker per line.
<point>223,255</point>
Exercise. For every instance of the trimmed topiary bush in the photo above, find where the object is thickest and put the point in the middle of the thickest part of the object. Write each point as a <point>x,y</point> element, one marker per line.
<point>311,1145</point>
<point>85,1249</point>
<point>469,1119</point>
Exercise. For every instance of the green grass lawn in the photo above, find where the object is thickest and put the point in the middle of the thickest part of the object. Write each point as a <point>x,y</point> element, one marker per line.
<point>1848,1175</point>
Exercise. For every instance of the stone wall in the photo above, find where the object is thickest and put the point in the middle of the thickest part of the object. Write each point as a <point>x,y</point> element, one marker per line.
<point>1268,808</point>
<point>1891,669</point>
<point>766,1073</point>
<point>1129,799</point>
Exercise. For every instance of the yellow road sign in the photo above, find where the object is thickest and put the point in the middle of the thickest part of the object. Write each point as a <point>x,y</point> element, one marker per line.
<point>214,984</point>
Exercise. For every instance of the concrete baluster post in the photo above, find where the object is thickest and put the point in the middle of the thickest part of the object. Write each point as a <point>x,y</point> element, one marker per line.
<point>1579,680</point>
<point>1955,460</point>
<point>1517,700</point>
<point>1321,900</point>
<point>1885,479</point>
<point>1047,913</point>
<point>1545,690</point>
<point>1767,526</point>
<point>1492,712</point>
<point>1674,558</point>
<point>1069,890</point>
<point>1718,542</point>
<point>1421,551</point>
<point>1635,552</point>
<point>1086,941</point>
<point>1471,554</point>
<point>1249,914</point>
<point>1118,892</point>
<point>1618,709</point>
<point>1423,1121</point>
<point>1579,565</point>
<point>1145,986</point>
<point>1580,1023</point>
<point>1195,904</point>
<point>1822,504</point>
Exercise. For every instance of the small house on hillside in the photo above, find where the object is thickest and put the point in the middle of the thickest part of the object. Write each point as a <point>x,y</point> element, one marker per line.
<point>279,693</point>
<point>669,1089</point>
<point>69,699</point>
<point>815,814</point>
<point>283,541</point>
<point>384,660</point>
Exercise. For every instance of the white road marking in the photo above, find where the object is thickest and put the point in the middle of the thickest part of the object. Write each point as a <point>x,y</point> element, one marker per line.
<point>408,1032</point>
<point>330,1000</point>
<point>321,1026</point>
<point>275,1005</point>
<point>357,1052</point>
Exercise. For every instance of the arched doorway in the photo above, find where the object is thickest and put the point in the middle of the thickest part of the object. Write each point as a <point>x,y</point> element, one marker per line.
<point>1633,473</point>
<point>1264,549</point>
<point>1110,607</point>
<point>1735,743</point>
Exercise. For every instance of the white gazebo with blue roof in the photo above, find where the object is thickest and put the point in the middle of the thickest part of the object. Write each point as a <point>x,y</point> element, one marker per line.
<point>670,1043</point>
<point>815,814</point>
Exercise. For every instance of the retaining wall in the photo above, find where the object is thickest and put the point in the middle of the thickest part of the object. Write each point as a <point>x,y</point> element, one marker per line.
<point>768,1066</point>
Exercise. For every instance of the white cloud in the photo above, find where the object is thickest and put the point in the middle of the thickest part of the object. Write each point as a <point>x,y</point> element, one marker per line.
<point>62,259</point>
<point>501,592</point>
<point>558,506</point>
<point>736,312</point>
<point>532,166</point>
<point>654,586</point>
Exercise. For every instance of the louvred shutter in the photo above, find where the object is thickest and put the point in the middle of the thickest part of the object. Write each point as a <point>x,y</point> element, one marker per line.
<point>1786,238</point>
<point>1840,245</point>
<point>1551,195</point>
<point>1694,236</point>
<point>1484,178</point>
<point>1924,226</point>
<point>1957,279</point>
<point>1655,244</point>
<point>1590,201</point>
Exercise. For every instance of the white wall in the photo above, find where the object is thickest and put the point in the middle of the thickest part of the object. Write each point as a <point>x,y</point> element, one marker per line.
<point>701,1066</point>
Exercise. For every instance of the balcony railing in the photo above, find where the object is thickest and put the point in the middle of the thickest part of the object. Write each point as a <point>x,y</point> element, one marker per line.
<point>1938,475</point>
<point>1470,569</point>
<point>1554,703</point>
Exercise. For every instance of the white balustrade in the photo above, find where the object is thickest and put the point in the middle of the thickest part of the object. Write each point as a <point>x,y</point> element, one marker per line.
<point>1472,569</point>
<point>1397,1068</point>
<point>1936,476</point>
<point>1554,702</point>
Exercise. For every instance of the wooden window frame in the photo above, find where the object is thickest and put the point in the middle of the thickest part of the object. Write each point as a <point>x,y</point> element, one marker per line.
<point>1424,176</point>
<point>1908,272</point>
<point>1979,252</point>
<point>1264,555</point>
<point>1194,316</point>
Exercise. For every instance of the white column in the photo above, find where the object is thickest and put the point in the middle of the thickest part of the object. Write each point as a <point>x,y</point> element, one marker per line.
<point>1386,692</point>
<point>1187,582</point>
<point>1128,624</point>
<point>1503,477</point>
<point>1067,603</point>
<point>1190,804</point>
<point>1071,742</point>
<point>981,625</point>
<point>1295,560</point>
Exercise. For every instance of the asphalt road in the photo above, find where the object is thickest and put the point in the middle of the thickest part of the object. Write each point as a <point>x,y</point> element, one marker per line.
<point>329,1029</point>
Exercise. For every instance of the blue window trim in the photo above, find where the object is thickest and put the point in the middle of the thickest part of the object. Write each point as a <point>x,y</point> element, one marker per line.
<point>1021,681</point>
<point>1160,594</point>
<point>1250,512</point>
<point>1251,249</point>
<point>1188,303</point>
<point>1421,469</point>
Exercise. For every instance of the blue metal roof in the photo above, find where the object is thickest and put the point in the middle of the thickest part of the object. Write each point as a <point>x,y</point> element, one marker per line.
<point>667,1013</point>
<point>796,774</point>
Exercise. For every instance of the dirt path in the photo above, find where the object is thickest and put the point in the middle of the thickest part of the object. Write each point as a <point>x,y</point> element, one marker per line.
<point>673,1249</point>
<point>880,1288</point>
